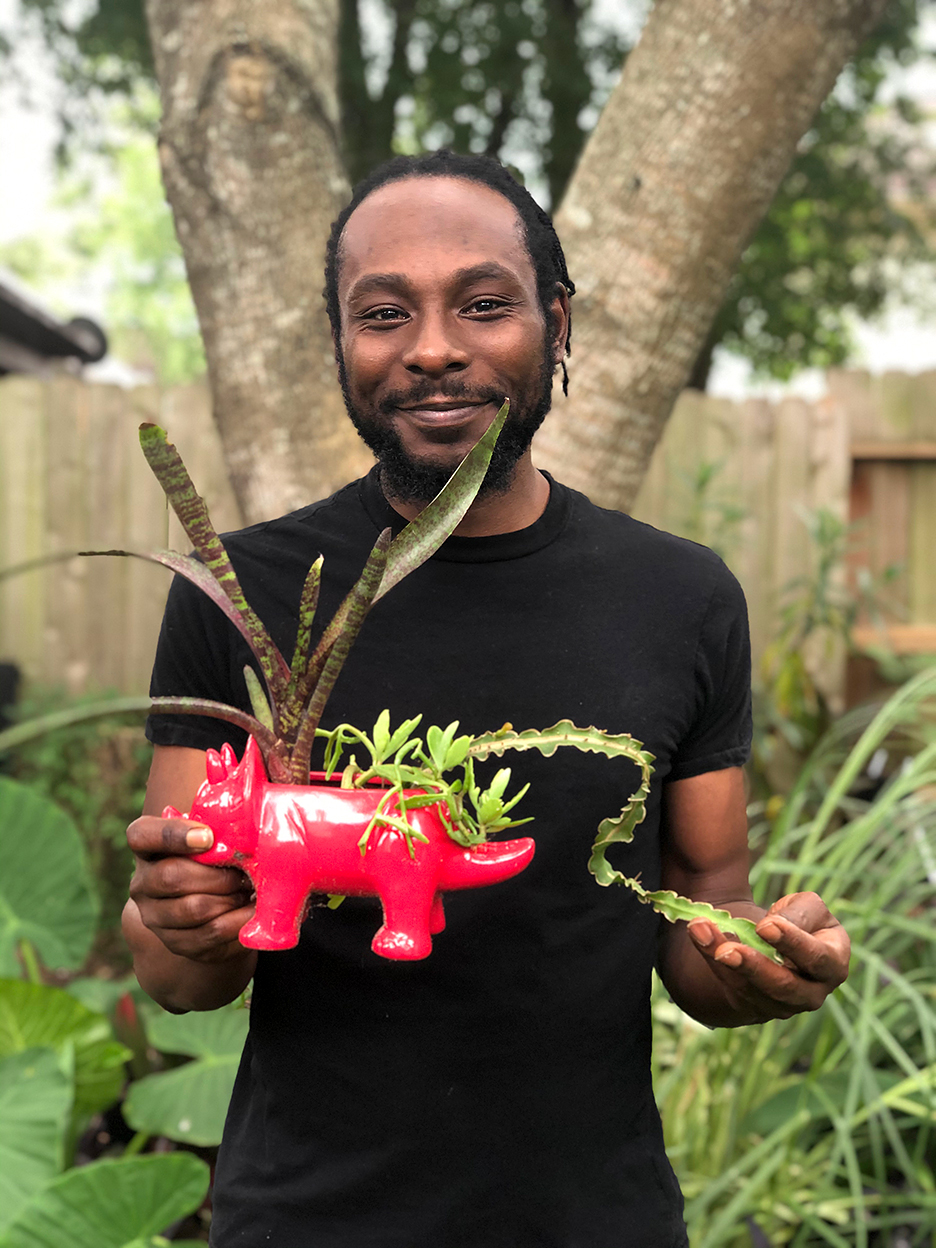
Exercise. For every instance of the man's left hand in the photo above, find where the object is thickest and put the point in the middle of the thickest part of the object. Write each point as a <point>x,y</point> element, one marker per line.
<point>815,950</point>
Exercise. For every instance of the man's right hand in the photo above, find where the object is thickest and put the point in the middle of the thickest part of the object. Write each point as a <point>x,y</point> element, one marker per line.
<point>195,910</point>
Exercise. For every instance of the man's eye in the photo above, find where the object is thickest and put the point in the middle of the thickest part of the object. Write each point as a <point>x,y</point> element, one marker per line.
<point>486,305</point>
<point>383,314</point>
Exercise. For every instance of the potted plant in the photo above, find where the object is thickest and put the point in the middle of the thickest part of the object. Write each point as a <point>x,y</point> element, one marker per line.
<point>410,820</point>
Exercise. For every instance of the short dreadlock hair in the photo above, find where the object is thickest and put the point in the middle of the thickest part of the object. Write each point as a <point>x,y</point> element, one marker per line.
<point>542,243</point>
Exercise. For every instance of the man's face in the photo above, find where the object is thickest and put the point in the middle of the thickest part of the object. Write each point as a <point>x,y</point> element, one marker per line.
<point>440,321</point>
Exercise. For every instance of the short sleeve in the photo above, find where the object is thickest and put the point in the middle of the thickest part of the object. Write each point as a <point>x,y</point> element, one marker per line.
<point>720,735</point>
<point>194,658</point>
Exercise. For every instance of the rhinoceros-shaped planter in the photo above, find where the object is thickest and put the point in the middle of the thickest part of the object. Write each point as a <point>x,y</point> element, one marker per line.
<point>293,840</point>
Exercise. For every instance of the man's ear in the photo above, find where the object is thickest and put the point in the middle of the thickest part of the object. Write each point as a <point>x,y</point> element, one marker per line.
<point>558,319</point>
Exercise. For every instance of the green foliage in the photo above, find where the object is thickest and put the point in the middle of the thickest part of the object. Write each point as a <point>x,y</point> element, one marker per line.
<point>189,1103</point>
<point>37,1015</point>
<point>526,81</point>
<point>818,615</point>
<point>112,1204</point>
<point>35,1100</point>
<point>47,897</point>
<point>818,1130</point>
<point>127,235</point>
<point>94,770</point>
<point>837,241</point>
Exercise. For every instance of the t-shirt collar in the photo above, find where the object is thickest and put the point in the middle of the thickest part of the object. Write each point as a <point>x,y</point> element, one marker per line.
<point>476,549</point>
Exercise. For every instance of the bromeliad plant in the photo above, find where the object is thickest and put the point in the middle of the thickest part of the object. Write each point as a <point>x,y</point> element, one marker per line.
<point>415,772</point>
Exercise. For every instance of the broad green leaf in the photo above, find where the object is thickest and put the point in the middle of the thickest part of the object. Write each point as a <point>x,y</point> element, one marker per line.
<point>172,475</point>
<point>593,741</point>
<point>189,1103</point>
<point>19,734</point>
<point>35,1014</point>
<point>35,1105</point>
<point>111,1204</point>
<point>47,895</point>
<point>680,909</point>
<point>423,536</point>
<point>201,1033</point>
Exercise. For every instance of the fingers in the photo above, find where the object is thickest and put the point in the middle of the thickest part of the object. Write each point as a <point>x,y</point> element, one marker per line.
<point>821,955</point>
<point>756,984</point>
<point>150,837</point>
<point>212,941</point>
<point>804,910</point>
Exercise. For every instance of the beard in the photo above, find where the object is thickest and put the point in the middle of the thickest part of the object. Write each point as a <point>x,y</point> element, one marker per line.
<point>414,480</point>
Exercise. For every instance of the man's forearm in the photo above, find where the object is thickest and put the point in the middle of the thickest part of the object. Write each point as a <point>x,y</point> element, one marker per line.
<point>693,984</point>
<point>180,984</point>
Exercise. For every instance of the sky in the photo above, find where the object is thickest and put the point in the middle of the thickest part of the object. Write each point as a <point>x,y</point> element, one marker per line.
<point>29,129</point>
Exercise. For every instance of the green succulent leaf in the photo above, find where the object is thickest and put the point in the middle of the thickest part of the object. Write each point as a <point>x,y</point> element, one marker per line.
<point>423,536</point>
<point>110,1204</point>
<point>381,735</point>
<point>680,909</point>
<point>35,1105</point>
<point>188,505</point>
<point>47,894</point>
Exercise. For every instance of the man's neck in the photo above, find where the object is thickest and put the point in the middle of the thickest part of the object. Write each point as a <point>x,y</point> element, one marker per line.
<point>505,512</point>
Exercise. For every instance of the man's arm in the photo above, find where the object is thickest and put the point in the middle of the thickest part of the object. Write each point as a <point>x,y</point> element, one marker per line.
<point>182,919</point>
<point>711,976</point>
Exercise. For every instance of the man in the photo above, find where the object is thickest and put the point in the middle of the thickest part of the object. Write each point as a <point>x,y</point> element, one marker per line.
<point>496,1095</point>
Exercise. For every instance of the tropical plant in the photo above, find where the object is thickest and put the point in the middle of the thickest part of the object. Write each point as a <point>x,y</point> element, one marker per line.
<point>819,1130</point>
<point>65,1054</point>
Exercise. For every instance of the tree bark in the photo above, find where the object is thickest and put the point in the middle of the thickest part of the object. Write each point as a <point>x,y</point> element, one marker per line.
<point>252,170</point>
<point>682,165</point>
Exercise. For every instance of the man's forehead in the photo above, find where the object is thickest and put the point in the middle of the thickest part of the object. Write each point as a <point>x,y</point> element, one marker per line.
<point>419,215</point>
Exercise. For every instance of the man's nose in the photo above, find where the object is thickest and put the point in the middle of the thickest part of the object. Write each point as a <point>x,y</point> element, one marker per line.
<point>435,347</point>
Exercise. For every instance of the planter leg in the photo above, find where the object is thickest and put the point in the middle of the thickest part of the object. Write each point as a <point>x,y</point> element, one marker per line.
<point>407,923</point>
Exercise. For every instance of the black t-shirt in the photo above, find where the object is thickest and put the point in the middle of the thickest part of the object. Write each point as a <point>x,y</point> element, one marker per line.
<point>497,1094</point>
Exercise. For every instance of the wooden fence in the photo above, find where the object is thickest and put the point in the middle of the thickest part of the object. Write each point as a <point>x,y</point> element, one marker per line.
<point>72,477</point>
<point>739,476</point>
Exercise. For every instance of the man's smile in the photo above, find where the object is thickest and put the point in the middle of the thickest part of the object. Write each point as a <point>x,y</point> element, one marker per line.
<point>442,413</point>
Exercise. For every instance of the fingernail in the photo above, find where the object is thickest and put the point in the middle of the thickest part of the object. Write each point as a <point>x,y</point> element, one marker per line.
<point>769,932</point>
<point>199,838</point>
<point>730,957</point>
<point>702,932</point>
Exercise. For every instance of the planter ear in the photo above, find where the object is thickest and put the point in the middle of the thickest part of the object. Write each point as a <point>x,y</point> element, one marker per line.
<point>252,770</point>
<point>214,768</point>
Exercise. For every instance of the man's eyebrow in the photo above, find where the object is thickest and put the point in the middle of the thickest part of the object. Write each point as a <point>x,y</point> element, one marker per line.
<point>399,283</point>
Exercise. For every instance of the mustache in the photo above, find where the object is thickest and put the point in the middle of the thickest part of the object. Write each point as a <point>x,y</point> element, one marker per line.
<point>426,388</point>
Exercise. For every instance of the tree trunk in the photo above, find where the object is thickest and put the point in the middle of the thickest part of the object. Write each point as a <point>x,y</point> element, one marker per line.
<point>681,167</point>
<point>250,160</point>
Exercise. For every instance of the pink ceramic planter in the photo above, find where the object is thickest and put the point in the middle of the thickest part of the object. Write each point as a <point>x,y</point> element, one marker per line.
<point>293,840</point>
